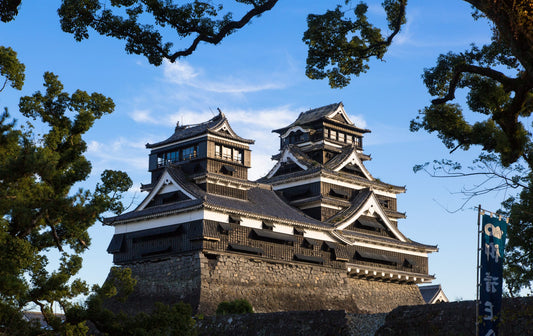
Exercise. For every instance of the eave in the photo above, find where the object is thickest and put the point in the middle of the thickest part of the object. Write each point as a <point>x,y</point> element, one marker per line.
<point>386,274</point>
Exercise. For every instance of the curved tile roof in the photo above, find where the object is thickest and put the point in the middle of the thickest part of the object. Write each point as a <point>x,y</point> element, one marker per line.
<point>188,131</point>
<point>263,202</point>
<point>357,202</point>
<point>310,116</point>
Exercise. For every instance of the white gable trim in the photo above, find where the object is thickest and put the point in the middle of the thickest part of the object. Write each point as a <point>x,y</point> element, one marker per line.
<point>225,127</point>
<point>340,110</point>
<point>165,183</point>
<point>439,297</point>
<point>371,208</point>
<point>354,159</point>
<point>285,157</point>
<point>293,129</point>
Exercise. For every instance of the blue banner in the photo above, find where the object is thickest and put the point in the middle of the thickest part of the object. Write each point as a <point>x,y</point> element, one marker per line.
<point>493,233</point>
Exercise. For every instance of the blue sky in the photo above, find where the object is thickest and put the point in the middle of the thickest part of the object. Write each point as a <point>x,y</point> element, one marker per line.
<point>256,77</point>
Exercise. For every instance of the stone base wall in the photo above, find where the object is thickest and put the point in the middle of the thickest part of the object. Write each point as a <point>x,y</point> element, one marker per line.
<point>279,286</point>
<point>204,280</point>
<point>168,281</point>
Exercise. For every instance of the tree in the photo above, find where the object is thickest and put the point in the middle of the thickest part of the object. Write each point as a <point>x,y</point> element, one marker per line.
<point>11,68</point>
<point>518,270</point>
<point>498,79</point>
<point>40,212</point>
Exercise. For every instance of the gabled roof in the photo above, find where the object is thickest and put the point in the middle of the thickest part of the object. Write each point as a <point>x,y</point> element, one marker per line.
<point>433,294</point>
<point>260,201</point>
<point>365,204</point>
<point>218,125</point>
<point>174,178</point>
<point>349,155</point>
<point>328,111</point>
<point>295,154</point>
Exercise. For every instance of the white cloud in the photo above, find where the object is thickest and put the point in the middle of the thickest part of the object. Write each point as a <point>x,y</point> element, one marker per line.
<point>143,116</point>
<point>358,120</point>
<point>261,165</point>
<point>118,154</point>
<point>183,74</point>
<point>270,118</point>
<point>179,72</point>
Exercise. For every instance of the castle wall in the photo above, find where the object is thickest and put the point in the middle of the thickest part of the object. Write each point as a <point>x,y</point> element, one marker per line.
<point>168,281</point>
<point>205,280</point>
<point>277,286</point>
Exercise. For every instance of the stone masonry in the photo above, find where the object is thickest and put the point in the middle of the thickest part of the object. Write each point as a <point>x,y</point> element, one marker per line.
<point>205,280</point>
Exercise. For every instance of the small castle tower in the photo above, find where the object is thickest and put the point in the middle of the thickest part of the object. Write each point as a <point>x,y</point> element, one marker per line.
<point>318,232</point>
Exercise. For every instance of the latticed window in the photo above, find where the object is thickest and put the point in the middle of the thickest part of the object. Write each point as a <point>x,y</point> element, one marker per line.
<point>226,153</point>
<point>229,153</point>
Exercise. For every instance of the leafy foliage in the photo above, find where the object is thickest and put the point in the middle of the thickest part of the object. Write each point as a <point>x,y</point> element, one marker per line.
<point>126,20</point>
<point>341,46</point>
<point>39,210</point>
<point>518,270</point>
<point>11,68</point>
<point>503,101</point>
<point>498,80</point>
<point>239,306</point>
<point>9,9</point>
<point>164,320</point>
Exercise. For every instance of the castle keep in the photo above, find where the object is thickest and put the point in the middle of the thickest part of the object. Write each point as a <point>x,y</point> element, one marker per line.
<point>317,232</point>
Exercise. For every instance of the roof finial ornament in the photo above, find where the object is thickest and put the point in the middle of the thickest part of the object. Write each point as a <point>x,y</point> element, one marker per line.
<point>220,112</point>
<point>178,126</point>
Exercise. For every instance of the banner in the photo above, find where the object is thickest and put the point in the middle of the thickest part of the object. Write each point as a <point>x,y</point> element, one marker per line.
<point>493,233</point>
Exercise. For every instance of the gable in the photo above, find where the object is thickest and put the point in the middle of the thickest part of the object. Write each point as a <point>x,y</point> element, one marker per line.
<point>286,158</point>
<point>340,115</point>
<point>371,215</point>
<point>167,190</point>
<point>353,164</point>
<point>225,128</point>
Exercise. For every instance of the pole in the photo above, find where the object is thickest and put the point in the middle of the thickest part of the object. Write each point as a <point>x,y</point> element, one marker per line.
<point>478,250</point>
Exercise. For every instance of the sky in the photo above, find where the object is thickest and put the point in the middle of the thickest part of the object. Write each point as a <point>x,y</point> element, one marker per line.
<point>257,78</point>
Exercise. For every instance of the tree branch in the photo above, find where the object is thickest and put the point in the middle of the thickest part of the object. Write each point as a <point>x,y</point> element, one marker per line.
<point>509,84</point>
<point>225,30</point>
<point>4,86</point>
<point>397,27</point>
<point>56,237</point>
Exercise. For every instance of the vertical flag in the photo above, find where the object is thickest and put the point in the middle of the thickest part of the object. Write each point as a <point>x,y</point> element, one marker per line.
<point>493,233</point>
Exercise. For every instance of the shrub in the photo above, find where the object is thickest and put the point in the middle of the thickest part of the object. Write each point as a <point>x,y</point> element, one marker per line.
<point>241,306</point>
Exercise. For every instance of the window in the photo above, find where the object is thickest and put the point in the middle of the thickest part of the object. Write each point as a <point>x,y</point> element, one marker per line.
<point>168,157</point>
<point>173,156</point>
<point>160,159</point>
<point>189,152</point>
<point>333,135</point>
<point>341,137</point>
<point>228,153</point>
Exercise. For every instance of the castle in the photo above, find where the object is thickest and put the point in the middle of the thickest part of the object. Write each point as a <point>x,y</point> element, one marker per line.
<point>317,232</point>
